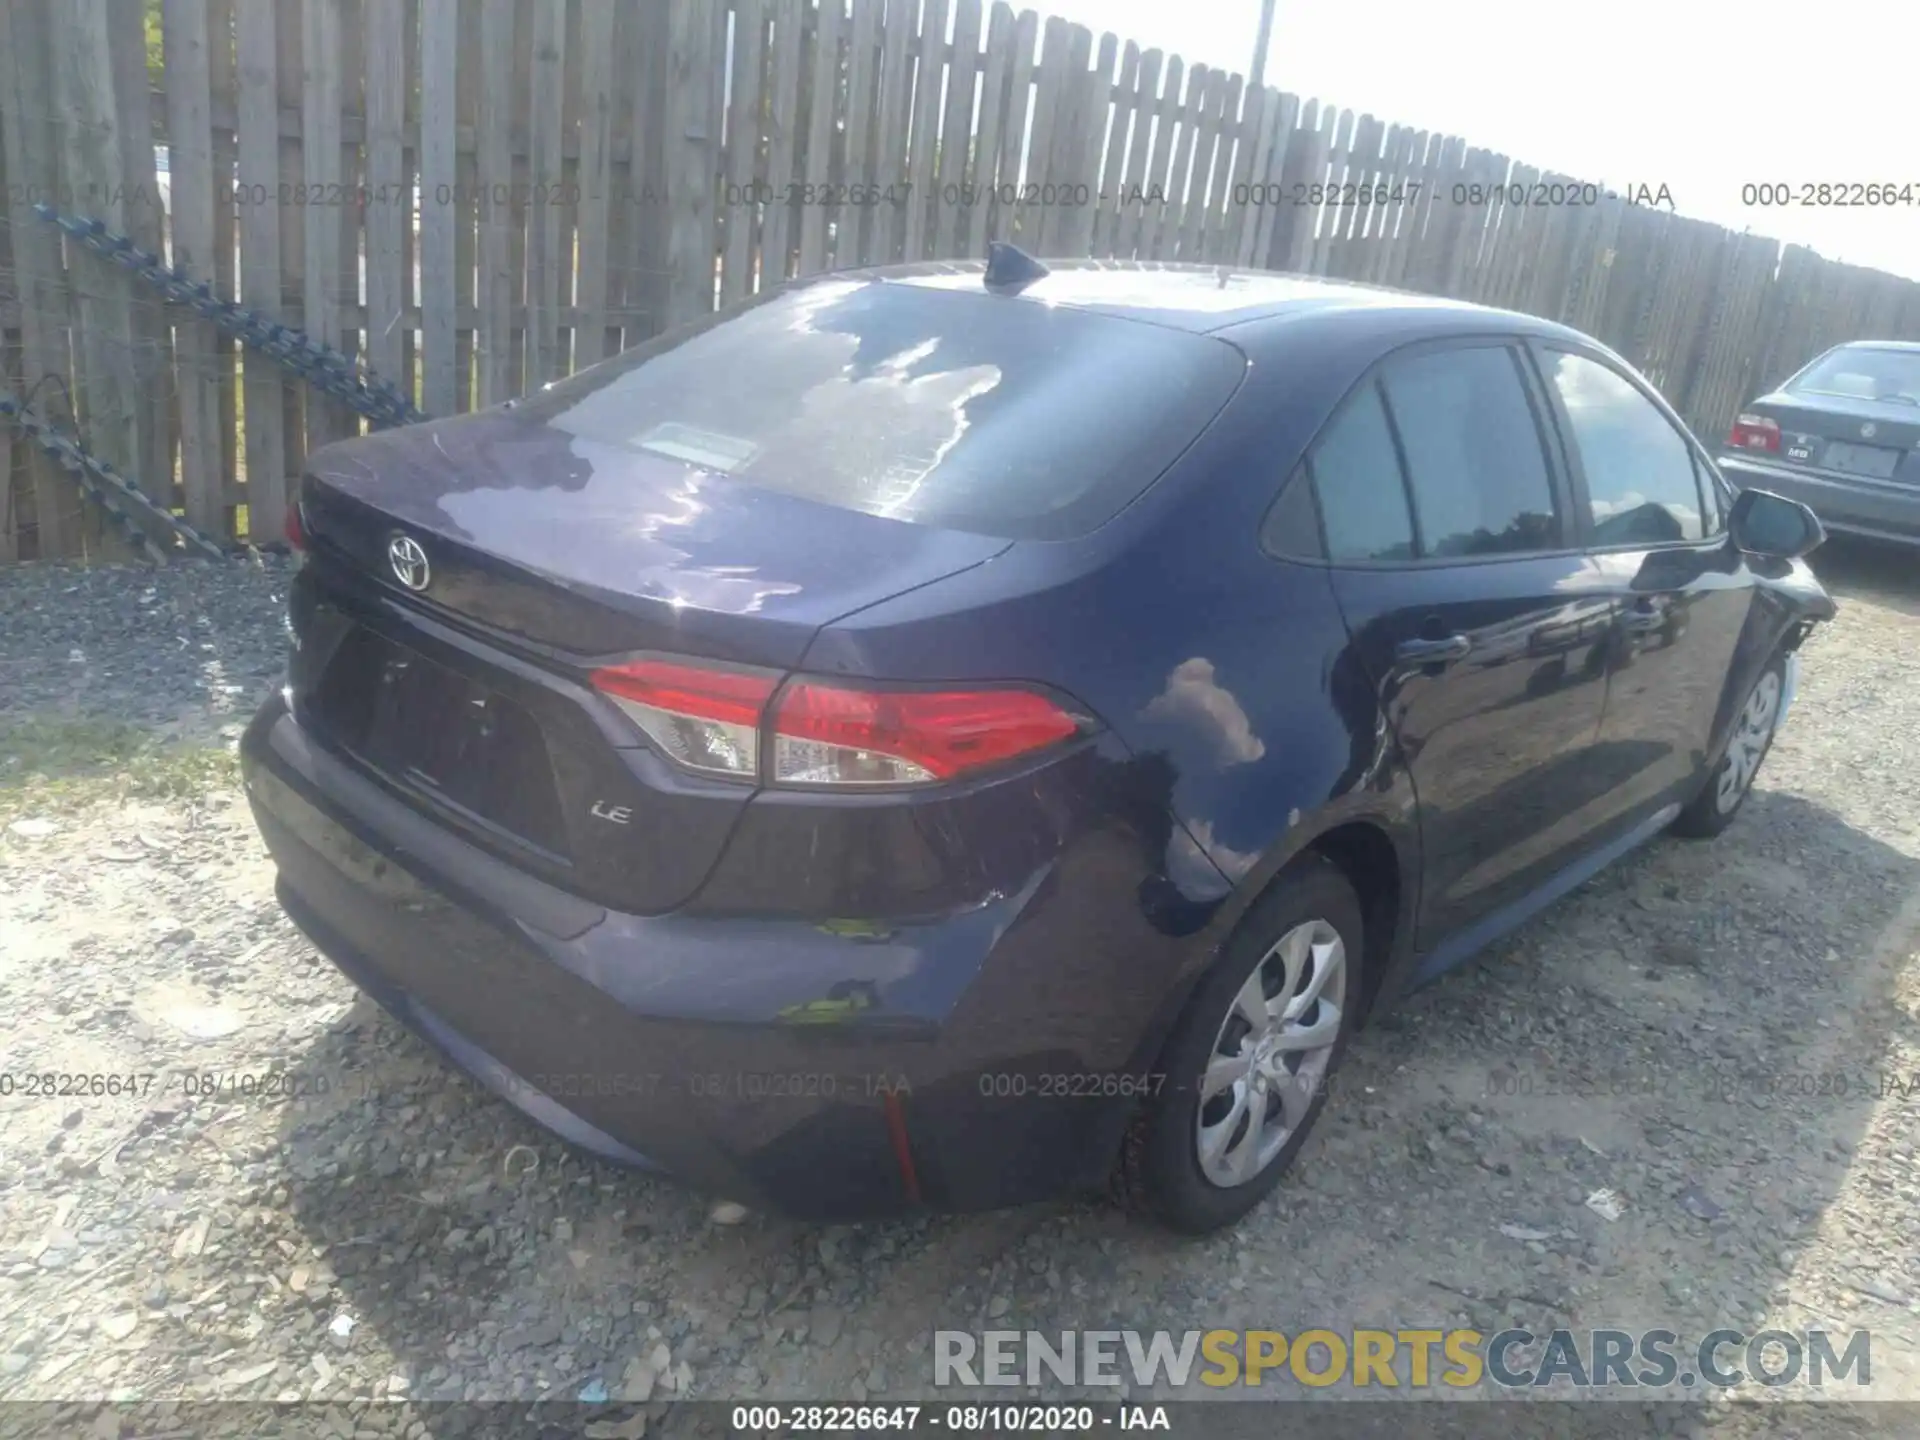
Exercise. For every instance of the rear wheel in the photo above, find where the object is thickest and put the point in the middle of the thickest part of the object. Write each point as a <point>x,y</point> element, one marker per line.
<point>1713,809</point>
<point>1247,1064</point>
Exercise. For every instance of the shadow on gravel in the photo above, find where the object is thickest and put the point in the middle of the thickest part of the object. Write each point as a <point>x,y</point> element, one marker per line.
<point>1726,973</point>
<point>1715,1018</point>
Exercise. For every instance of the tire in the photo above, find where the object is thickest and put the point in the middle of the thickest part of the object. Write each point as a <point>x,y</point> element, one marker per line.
<point>1727,788</point>
<point>1287,939</point>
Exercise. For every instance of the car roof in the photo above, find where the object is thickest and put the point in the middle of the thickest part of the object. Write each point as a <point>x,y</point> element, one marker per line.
<point>1207,298</point>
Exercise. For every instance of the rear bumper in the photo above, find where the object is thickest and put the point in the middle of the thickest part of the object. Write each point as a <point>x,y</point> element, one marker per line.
<point>981,1059</point>
<point>1882,510</point>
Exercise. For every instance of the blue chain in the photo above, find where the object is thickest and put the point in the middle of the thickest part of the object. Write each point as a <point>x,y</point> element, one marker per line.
<point>320,365</point>
<point>103,485</point>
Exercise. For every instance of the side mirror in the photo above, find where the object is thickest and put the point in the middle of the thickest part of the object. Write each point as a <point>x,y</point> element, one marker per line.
<point>1762,523</point>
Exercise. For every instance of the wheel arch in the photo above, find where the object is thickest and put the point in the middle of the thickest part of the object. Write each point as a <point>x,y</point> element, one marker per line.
<point>1376,849</point>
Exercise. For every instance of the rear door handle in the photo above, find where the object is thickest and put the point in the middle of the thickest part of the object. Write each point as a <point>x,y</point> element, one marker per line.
<point>1433,652</point>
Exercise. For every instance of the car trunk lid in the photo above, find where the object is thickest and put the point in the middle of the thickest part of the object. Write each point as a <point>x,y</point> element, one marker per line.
<point>596,549</point>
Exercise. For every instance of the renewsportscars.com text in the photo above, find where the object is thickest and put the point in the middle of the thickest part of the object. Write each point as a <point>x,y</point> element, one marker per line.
<point>1414,1358</point>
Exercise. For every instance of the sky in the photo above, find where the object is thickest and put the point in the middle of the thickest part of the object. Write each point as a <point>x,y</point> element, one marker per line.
<point>1702,96</point>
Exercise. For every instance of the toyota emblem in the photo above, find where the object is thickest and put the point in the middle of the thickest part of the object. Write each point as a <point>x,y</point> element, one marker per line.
<point>1869,430</point>
<point>409,562</point>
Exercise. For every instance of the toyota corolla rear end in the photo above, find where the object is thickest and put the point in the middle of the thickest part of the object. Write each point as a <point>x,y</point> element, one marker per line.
<point>553,780</point>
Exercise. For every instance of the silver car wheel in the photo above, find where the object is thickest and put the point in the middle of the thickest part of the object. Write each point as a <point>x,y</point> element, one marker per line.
<point>1751,732</point>
<point>1271,1054</point>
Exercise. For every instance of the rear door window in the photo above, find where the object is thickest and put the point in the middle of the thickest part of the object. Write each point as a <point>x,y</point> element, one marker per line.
<point>968,411</point>
<point>1473,456</point>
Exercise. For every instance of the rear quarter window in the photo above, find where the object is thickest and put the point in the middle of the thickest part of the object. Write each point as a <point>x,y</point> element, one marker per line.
<point>973,412</point>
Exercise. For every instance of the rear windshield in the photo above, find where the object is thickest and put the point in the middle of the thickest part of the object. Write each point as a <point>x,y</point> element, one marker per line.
<point>971,412</point>
<point>1864,373</point>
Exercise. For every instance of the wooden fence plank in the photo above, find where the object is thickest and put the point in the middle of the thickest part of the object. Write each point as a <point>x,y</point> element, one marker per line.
<point>389,187</point>
<point>623,186</point>
<point>738,209</point>
<point>1119,125</point>
<point>650,214</point>
<point>570,104</point>
<point>1005,222</point>
<point>493,345</point>
<point>145,220</point>
<point>924,141</point>
<point>890,132</point>
<point>348,171</point>
<point>259,265</point>
<point>439,71</point>
<point>691,148</point>
<point>817,164</point>
<point>107,389</point>
<point>1345,174</point>
<point>863,89</point>
<point>1544,269</point>
<point>1271,176</point>
<point>545,260</point>
<point>1330,215</point>
<point>1410,235</point>
<point>288,36</point>
<point>1518,239</point>
<point>1389,199</point>
<point>1140,151</point>
<point>191,191</point>
<point>1373,163</point>
<point>995,78</point>
<point>28,123</point>
<point>948,226</point>
<point>594,182</point>
<point>1075,173</point>
<point>1212,154</point>
<point>320,78</point>
<point>783,119</point>
<point>466,179</point>
<point>1240,219</point>
<point>223,78</point>
<point>1238,124</point>
<point>1033,218</point>
<point>1306,168</point>
<point>1185,137</point>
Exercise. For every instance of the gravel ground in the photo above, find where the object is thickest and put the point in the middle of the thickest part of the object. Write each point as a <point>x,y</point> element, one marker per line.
<point>1706,1030</point>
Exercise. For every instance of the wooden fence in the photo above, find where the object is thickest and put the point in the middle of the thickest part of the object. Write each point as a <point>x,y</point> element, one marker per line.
<point>477,196</point>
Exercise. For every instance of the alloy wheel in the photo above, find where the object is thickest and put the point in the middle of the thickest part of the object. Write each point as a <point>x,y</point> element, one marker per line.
<point>1270,1056</point>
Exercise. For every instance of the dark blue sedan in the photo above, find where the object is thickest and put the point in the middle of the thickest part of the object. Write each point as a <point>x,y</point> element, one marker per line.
<point>949,736</point>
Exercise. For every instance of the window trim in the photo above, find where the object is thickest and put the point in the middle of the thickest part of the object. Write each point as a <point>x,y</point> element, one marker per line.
<point>1539,348</point>
<point>1559,478</point>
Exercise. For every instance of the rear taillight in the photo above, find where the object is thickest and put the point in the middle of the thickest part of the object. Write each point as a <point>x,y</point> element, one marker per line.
<point>295,529</point>
<point>1754,432</point>
<point>707,720</point>
<point>826,735</point>
<point>711,721</point>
